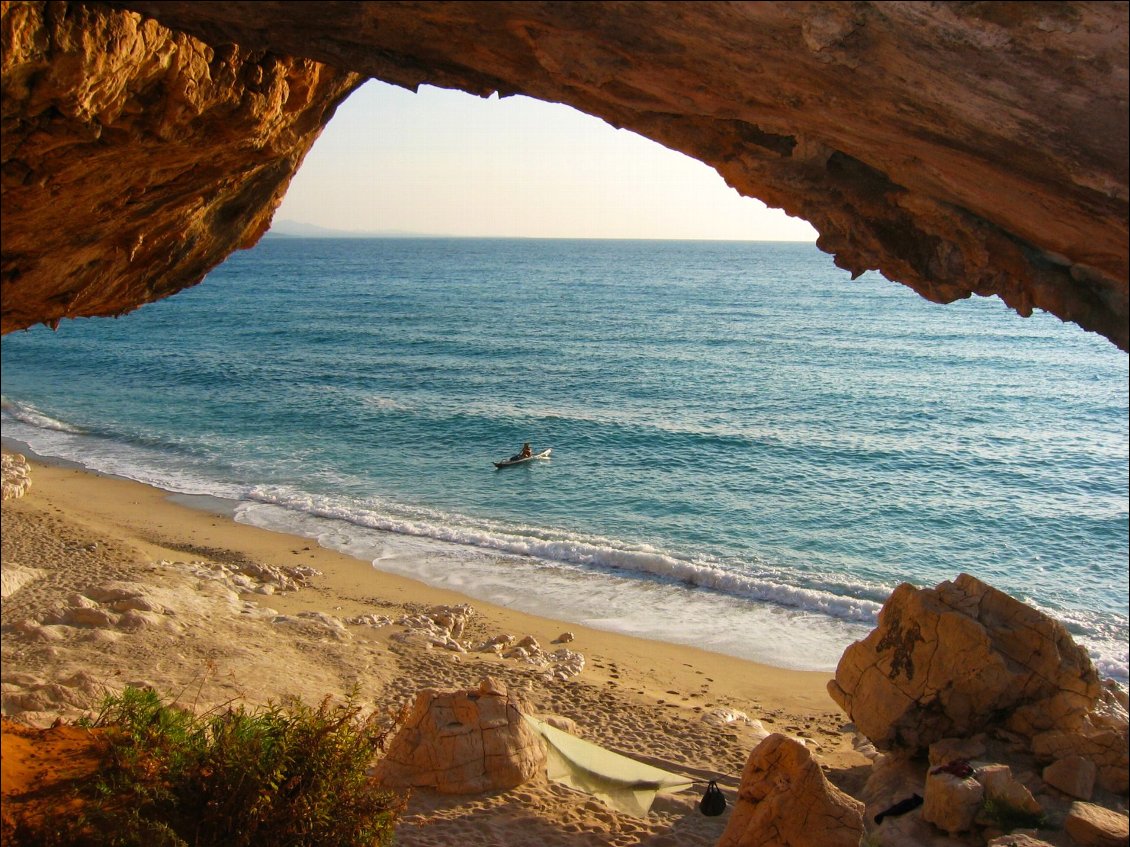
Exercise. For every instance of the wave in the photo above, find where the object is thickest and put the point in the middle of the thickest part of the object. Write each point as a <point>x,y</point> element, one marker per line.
<point>600,554</point>
<point>28,414</point>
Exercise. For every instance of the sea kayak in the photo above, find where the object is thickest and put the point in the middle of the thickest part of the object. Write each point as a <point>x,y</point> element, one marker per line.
<point>518,460</point>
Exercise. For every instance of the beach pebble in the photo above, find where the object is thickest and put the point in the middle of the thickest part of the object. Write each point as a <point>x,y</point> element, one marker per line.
<point>564,638</point>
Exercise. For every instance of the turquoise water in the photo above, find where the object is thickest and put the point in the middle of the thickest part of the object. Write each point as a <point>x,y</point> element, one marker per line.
<point>749,450</point>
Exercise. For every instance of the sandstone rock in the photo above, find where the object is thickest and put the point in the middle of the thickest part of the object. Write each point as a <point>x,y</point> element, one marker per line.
<point>375,621</point>
<point>109,113</point>
<point>952,802</point>
<point>947,661</point>
<point>15,476</point>
<point>1001,788</point>
<point>170,154</point>
<point>1107,748</point>
<point>1093,826</point>
<point>784,800</point>
<point>1074,776</point>
<point>463,742</point>
<point>949,749</point>
<point>495,644</point>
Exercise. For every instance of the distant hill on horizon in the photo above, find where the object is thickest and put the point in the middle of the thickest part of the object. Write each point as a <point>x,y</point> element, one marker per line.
<point>298,229</point>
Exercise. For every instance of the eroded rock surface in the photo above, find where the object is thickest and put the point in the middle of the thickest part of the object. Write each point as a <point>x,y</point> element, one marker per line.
<point>136,158</point>
<point>785,801</point>
<point>1016,722</point>
<point>957,147</point>
<point>950,661</point>
<point>463,742</point>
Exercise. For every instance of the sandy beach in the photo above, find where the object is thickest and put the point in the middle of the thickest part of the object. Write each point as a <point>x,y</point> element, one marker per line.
<point>193,605</point>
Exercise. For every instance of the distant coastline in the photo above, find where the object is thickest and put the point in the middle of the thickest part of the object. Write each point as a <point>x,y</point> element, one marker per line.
<point>298,229</point>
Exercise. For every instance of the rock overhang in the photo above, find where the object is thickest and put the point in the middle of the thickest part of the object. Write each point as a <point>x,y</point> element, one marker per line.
<point>958,149</point>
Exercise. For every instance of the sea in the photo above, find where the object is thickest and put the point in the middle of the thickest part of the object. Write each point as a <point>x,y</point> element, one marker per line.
<point>749,449</point>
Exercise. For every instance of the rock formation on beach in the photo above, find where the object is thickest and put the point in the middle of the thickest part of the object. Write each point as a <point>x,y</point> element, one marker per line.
<point>962,659</point>
<point>1014,721</point>
<point>463,742</point>
<point>785,799</point>
<point>958,148</point>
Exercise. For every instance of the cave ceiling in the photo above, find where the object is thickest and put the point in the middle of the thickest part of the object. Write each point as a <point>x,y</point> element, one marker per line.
<point>957,148</point>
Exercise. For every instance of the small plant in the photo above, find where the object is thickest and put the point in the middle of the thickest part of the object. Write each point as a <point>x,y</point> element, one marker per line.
<point>1007,817</point>
<point>290,776</point>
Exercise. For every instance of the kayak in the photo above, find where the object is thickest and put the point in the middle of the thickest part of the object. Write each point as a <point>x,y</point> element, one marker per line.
<point>517,460</point>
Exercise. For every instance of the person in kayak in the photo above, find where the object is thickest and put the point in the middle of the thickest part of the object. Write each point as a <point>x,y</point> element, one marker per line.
<point>525,454</point>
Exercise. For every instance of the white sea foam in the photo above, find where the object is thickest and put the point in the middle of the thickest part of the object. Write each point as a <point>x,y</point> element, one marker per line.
<point>602,599</point>
<point>152,466</point>
<point>589,553</point>
<point>28,414</point>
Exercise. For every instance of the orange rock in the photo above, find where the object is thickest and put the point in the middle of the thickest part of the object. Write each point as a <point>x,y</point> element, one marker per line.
<point>463,742</point>
<point>785,801</point>
<point>145,156</point>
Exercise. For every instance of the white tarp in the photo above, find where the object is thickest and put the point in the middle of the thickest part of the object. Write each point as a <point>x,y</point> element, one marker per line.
<point>622,783</point>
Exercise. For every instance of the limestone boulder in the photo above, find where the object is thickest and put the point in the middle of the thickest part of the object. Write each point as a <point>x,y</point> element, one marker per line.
<point>785,801</point>
<point>951,661</point>
<point>463,742</point>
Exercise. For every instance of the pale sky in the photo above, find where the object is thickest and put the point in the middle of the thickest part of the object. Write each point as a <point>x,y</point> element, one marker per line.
<point>448,163</point>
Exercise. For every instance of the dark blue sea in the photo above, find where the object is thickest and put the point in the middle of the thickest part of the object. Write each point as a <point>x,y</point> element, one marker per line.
<point>749,450</point>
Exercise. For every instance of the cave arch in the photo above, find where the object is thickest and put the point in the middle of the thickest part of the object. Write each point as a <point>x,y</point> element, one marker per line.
<point>957,148</point>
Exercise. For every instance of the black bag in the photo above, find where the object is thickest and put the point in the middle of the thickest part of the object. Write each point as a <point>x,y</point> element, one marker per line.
<point>713,802</point>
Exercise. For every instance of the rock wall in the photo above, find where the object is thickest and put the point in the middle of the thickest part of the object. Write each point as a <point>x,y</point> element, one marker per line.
<point>136,158</point>
<point>958,148</point>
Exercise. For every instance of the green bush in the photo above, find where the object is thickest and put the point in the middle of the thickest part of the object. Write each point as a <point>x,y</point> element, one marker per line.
<point>290,776</point>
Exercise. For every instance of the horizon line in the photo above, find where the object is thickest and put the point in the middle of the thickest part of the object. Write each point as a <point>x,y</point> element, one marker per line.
<point>328,233</point>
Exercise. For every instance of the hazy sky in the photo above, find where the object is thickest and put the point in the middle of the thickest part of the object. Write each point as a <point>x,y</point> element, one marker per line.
<point>448,163</point>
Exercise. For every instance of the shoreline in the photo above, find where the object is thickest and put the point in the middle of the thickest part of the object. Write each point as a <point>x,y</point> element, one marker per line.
<point>431,556</point>
<point>203,639</point>
<point>117,501</point>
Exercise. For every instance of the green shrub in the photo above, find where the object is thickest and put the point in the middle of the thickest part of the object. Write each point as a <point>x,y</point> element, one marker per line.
<point>285,776</point>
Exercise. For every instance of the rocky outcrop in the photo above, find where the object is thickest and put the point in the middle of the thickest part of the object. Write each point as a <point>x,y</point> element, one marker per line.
<point>463,742</point>
<point>785,801</point>
<point>136,158</point>
<point>958,148</point>
<point>951,661</point>
<point>1015,721</point>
